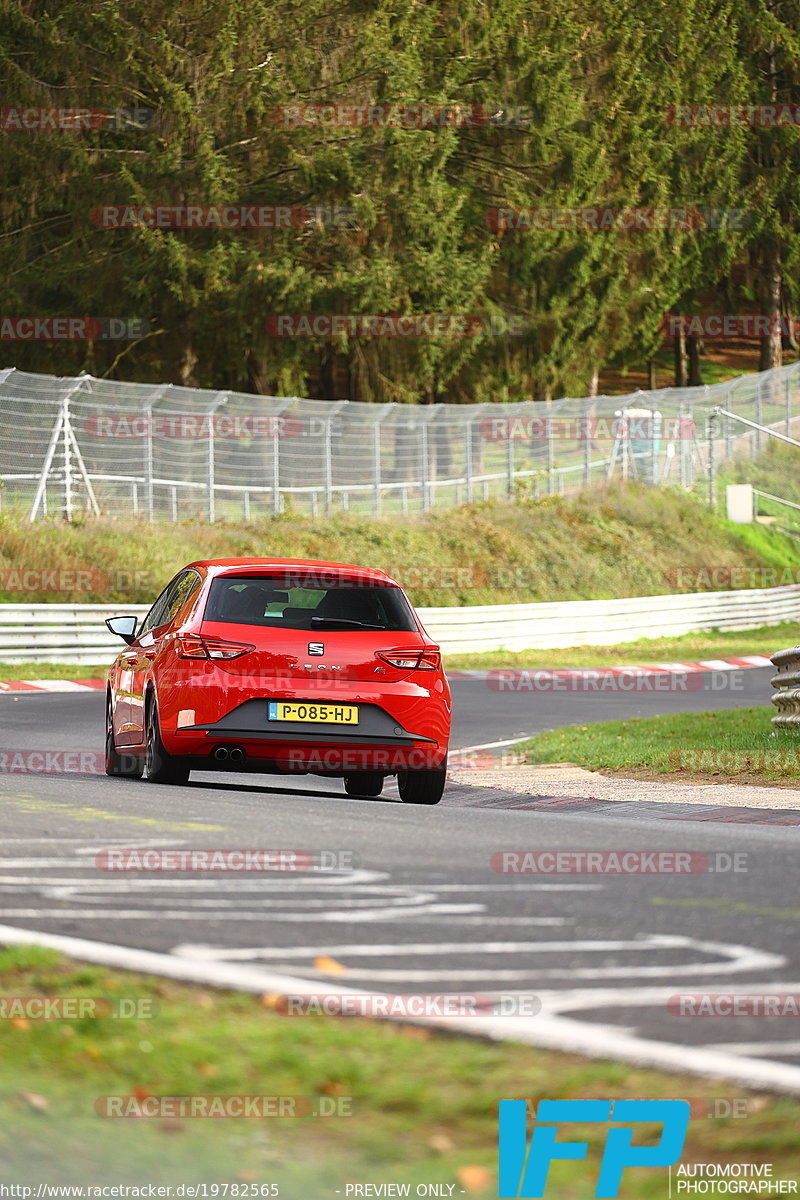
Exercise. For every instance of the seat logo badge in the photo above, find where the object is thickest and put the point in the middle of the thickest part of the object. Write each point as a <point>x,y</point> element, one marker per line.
<point>316,648</point>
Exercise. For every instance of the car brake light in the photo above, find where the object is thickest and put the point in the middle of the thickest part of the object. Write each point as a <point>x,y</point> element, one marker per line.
<point>190,646</point>
<point>412,660</point>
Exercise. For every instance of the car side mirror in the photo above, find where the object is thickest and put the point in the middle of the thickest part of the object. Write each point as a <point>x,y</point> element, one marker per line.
<point>124,627</point>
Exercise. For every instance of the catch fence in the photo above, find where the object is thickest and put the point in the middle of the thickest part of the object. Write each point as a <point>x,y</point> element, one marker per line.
<point>164,452</point>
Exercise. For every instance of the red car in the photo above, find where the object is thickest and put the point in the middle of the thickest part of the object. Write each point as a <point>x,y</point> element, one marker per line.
<point>280,665</point>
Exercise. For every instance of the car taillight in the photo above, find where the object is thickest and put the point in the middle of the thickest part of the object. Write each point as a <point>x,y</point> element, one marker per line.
<point>412,660</point>
<point>189,646</point>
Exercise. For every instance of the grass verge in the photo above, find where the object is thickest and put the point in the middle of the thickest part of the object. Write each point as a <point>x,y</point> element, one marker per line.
<point>691,647</point>
<point>616,540</point>
<point>734,746</point>
<point>424,1104</point>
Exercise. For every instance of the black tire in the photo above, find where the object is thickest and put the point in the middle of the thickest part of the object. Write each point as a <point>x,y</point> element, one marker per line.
<point>125,766</point>
<point>159,765</point>
<point>364,783</point>
<point>422,787</point>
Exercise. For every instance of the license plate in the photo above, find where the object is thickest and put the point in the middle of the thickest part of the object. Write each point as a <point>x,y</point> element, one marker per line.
<point>327,714</point>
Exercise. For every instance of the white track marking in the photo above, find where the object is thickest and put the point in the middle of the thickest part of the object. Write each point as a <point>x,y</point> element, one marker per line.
<point>729,959</point>
<point>404,949</point>
<point>560,1000</point>
<point>744,957</point>
<point>192,914</point>
<point>521,887</point>
<point>557,1033</point>
<point>753,1049</point>
<point>520,737</point>
<point>59,685</point>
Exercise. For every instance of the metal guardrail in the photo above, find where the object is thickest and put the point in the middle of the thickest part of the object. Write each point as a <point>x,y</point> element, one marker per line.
<point>787,684</point>
<point>74,633</point>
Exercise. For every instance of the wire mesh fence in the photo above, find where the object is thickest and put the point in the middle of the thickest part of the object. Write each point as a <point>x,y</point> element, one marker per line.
<point>163,452</point>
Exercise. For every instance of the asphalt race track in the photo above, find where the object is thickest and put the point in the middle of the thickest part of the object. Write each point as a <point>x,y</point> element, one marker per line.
<point>413,904</point>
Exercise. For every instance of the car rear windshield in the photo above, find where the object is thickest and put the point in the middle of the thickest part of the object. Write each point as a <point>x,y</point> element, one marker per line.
<point>313,604</point>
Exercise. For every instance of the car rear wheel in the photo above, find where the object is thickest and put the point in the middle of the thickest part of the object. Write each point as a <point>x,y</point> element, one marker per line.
<point>422,787</point>
<point>124,765</point>
<point>160,766</point>
<point>364,783</point>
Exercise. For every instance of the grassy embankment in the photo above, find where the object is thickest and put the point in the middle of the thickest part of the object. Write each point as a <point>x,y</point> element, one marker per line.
<point>617,541</point>
<point>423,1104</point>
<point>735,746</point>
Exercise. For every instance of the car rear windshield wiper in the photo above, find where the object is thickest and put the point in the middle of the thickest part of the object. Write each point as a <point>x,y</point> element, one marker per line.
<point>344,621</point>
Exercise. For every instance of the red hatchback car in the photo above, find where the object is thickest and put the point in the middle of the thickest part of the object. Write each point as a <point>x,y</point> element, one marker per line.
<point>280,665</point>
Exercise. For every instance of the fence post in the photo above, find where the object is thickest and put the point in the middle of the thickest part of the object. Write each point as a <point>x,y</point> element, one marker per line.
<point>148,466</point>
<point>509,462</point>
<point>587,444</point>
<point>376,468</point>
<point>758,415</point>
<point>548,425</point>
<point>219,400</point>
<point>788,390</point>
<point>728,434</point>
<point>425,467</point>
<point>712,499</point>
<point>328,466</point>
<point>212,512</point>
<point>41,495</point>
<point>152,400</point>
<point>276,467</point>
<point>67,460</point>
<point>468,460</point>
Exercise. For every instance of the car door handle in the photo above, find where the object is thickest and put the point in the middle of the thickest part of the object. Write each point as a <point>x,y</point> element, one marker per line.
<point>130,659</point>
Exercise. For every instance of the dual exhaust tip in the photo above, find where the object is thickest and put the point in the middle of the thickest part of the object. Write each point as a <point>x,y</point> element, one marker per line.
<point>234,755</point>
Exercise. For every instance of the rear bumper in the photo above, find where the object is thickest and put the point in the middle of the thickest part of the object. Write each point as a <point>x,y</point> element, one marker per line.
<point>380,743</point>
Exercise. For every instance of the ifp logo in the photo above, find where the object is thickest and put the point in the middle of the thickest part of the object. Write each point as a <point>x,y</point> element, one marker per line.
<point>523,1170</point>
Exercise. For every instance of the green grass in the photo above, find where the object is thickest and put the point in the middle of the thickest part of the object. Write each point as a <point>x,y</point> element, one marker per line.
<point>775,470</point>
<point>738,742</point>
<point>691,647</point>
<point>35,670</point>
<point>620,540</point>
<point>424,1105</point>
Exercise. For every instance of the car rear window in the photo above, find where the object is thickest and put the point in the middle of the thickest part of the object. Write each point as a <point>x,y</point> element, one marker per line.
<point>290,602</point>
